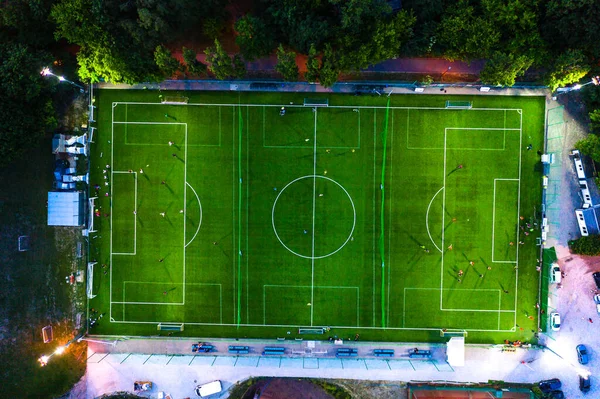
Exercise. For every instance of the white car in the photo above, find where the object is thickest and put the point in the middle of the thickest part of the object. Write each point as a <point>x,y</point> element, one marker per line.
<point>555,321</point>
<point>597,301</point>
<point>555,274</point>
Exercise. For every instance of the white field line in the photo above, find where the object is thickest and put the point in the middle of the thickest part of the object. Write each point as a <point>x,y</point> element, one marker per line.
<point>185,213</point>
<point>374,211</point>
<point>391,185</point>
<point>494,224</point>
<point>518,213</point>
<point>247,214</point>
<point>312,278</point>
<point>112,140</point>
<point>427,219</point>
<point>184,203</point>
<point>233,202</point>
<point>443,224</point>
<point>303,106</point>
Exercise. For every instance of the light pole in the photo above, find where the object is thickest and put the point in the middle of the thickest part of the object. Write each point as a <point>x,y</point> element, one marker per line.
<point>47,72</point>
<point>445,72</point>
<point>562,90</point>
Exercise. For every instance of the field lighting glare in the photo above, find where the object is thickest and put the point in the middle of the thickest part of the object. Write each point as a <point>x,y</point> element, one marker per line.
<point>44,360</point>
<point>60,350</point>
<point>583,372</point>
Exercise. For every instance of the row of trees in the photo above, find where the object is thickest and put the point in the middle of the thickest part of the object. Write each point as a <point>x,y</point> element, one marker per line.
<point>132,41</point>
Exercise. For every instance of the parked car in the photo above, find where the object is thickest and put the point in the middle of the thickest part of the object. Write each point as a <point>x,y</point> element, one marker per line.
<point>555,321</point>
<point>550,385</point>
<point>597,302</point>
<point>596,276</point>
<point>582,354</point>
<point>584,383</point>
<point>209,389</point>
<point>555,274</point>
<point>558,394</point>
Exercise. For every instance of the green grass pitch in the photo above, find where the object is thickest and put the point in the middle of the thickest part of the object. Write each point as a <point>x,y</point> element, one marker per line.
<point>393,220</point>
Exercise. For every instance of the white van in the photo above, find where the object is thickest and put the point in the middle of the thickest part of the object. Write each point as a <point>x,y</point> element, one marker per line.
<point>209,389</point>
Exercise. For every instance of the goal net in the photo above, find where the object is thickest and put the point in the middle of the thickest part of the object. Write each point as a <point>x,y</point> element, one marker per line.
<point>169,327</point>
<point>90,280</point>
<point>459,104</point>
<point>453,333</point>
<point>316,102</point>
<point>175,100</point>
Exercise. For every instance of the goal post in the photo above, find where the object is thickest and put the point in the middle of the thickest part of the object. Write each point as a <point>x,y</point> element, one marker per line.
<point>90,280</point>
<point>459,105</point>
<point>453,333</point>
<point>174,100</point>
<point>169,327</point>
<point>316,102</point>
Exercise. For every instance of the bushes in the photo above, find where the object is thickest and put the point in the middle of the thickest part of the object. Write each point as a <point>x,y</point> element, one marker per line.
<point>589,245</point>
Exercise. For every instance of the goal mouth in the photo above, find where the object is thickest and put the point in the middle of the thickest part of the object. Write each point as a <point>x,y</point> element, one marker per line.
<point>169,327</point>
<point>175,100</point>
<point>459,105</point>
<point>453,333</point>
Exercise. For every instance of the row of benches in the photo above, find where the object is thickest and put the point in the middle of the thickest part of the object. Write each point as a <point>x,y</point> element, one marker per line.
<point>340,352</point>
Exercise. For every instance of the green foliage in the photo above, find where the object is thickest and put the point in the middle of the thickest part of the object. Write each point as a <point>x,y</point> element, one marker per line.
<point>253,37</point>
<point>588,245</point>
<point>26,111</point>
<point>194,67</point>
<point>329,73</point>
<point>286,64</point>
<point>220,63</point>
<point>503,69</point>
<point>595,121</point>
<point>572,24</point>
<point>465,34</point>
<point>427,80</point>
<point>239,66</point>
<point>165,61</point>
<point>312,65</point>
<point>26,22</point>
<point>569,67</point>
<point>590,146</point>
<point>212,27</point>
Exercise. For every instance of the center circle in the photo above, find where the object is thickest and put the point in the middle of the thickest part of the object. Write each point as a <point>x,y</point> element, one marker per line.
<point>303,212</point>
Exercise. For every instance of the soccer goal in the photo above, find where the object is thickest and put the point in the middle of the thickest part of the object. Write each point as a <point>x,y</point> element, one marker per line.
<point>175,100</point>
<point>23,243</point>
<point>316,102</point>
<point>169,327</point>
<point>90,280</point>
<point>459,104</point>
<point>453,333</point>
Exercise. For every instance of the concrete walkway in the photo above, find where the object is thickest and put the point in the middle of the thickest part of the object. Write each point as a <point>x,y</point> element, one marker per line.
<point>174,369</point>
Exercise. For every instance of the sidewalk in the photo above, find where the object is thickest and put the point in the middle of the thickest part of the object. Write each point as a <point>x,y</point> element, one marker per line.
<point>174,369</point>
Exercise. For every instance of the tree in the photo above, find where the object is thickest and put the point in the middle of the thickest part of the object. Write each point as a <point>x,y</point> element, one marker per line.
<point>219,61</point>
<point>26,111</point>
<point>165,61</point>
<point>328,74</point>
<point>595,121</point>
<point>588,245</point>
<point>253,37</point>
<point>312,65</point>
<point>569,67</point>
<point>239,66</point>
<point>503,69</point>
<point>465,34</point>
<point>590,146</point>
<point>286,64</point>
<point>194,67</point>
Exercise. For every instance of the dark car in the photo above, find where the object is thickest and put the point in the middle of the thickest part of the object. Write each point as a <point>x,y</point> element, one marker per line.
<point>584,383</point>
<point>550,385</point>
<point>596,276</point>
<point>582,354</point>
<point>556,395</point>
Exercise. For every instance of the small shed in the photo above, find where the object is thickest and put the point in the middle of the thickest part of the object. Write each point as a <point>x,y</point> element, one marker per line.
<point>455,351</point>
<point>66,208</point>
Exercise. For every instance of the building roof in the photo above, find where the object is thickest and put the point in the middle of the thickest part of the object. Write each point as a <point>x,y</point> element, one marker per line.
<point>65,208</point>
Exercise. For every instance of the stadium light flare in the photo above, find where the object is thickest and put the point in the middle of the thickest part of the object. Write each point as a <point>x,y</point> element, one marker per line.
<point>47,72</point>
<point>44,360</point>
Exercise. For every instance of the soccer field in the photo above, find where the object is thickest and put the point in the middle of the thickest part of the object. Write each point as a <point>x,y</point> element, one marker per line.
<point>393,217</point>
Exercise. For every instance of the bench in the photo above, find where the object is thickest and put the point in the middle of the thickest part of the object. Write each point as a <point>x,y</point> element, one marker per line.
<point>274,350</point>
<point>383,353</point>
<point>347,352</point>
<point>202,348</point>
<point>240,350</point>
<point>420,354</point>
